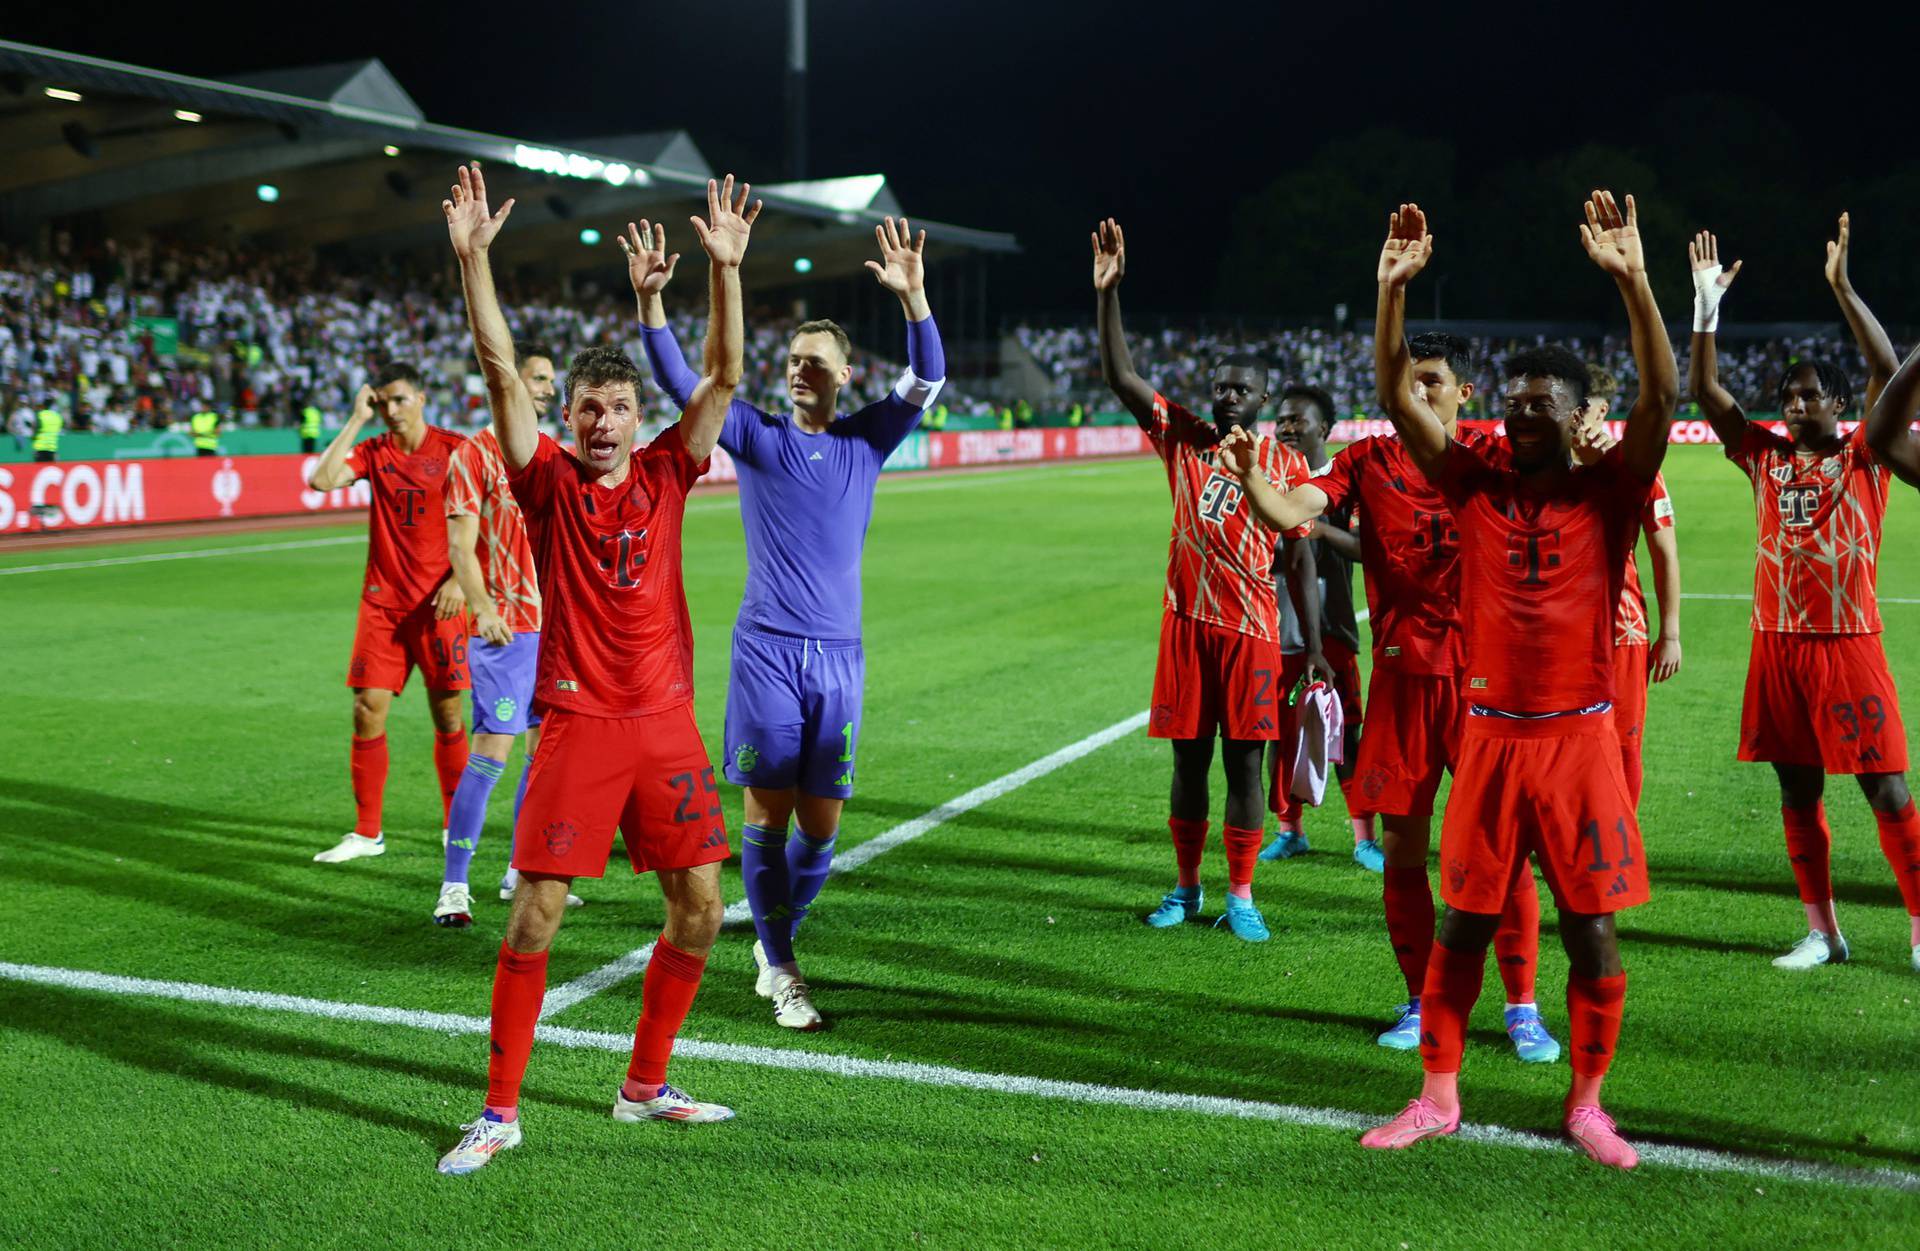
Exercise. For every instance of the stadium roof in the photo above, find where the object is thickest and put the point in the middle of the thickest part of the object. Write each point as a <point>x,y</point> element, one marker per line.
<point>354,164</point>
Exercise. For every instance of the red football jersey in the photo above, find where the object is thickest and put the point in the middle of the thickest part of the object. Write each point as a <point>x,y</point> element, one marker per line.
<point>407,531</point>
<point>1630,627</point>
<point>1541,567</point>
<point>618,641</point>
<point>1220,558</point>
<point>1819,517</point>
<point>1409,553</point>
<point>477,487</point>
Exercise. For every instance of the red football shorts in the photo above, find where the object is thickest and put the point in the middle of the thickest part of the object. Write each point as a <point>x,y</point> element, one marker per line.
<point>649,776</point>
<point>1413,736</point>
<point>1822,700</point>
<point>1214,680</point>
<point>1554,788</point>
<point>1630,667</point>
<point>388,645</point>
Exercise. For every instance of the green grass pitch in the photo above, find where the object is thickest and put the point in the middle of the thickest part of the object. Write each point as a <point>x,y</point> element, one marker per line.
<point>176,751</point>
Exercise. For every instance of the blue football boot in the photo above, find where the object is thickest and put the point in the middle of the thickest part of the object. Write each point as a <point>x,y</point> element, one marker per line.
<point>1180,905</point>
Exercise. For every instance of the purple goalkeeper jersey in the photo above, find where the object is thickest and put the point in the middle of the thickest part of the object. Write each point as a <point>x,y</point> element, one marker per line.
<point>807,499</point>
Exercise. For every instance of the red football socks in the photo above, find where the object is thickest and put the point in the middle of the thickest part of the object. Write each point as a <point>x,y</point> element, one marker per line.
<point>1594,1006</point>
<point>1409,901</point>
<point>519,986</point>
<point>1243,852</point>
<point>1635,771</point>
<point>367,766</point>
<point>1361,818</point>
<point>1900,840</point>
<point>450,761</point>
<point>1516,944</point>
<point>673,978</point>
<point>1189,842</point>
<point>1809,851</point>
<point>1446,1001</point>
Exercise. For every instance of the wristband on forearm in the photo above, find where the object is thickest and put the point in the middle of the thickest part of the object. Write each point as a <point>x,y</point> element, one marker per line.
<point>1707,293</point>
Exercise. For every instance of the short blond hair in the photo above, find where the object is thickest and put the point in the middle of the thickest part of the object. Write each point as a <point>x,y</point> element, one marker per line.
<point>822,325</point>
<point>1601,385</point>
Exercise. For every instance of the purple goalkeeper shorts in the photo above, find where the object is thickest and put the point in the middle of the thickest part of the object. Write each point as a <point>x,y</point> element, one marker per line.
<point>503,683</point>
<point>793,712</point>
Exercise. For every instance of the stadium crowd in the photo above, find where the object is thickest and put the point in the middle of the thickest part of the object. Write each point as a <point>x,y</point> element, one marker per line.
<point>128,338</point>
<point>1180,360</point>
<point>257,336</point>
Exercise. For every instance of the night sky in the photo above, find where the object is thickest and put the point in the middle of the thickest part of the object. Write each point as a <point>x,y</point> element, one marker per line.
<point>1037,116</point>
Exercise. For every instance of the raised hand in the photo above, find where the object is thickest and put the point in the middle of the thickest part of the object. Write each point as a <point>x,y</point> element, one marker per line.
<point>1590,438</point>
<point>362,405</point>
<point>1109,255</point>
<point>1611,239</point>
<point>649,268</point>
<point>1837,257</point>
<point>1408,247</point>
<point>1710,281</point>
<point>1703,254</point>
<point>470,225</point>
<point>900,268</point>
<point>1240,453</point>
<point>728,223</point>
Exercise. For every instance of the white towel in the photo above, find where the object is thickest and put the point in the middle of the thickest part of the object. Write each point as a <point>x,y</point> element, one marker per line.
<point>1320,743</point>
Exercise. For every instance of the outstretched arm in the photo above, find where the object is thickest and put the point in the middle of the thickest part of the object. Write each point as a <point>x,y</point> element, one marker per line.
<point>472,228</point>
<point>1867,330</point>
<point>1404,255</point>
<point>1116,363</point>
<point>902,270</point>
<point>650,269</point>
<point>1890,422</point>
<point>331,471</point>
<point>1240,456</point>
<point>1612,240</point>
<point>724,235</point>
<point>1710,283</point>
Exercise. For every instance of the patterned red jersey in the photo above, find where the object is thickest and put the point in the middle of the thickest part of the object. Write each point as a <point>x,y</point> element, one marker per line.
<point>1819,516</point>
<point>477,487</point>
<point>618,642</point>
<point>407,530</point>
<point>1220,558</point>
<point>1630,627</point>
<point>1541,567</point>
<point>1409,553</point>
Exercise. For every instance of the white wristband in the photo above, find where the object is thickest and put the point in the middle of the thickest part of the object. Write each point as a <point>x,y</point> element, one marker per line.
<point>1707,293</point>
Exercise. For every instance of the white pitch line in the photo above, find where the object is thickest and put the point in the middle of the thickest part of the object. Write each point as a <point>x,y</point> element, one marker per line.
<point>1691,1159</point>
<point>197,554</point>
<point>562,997</point>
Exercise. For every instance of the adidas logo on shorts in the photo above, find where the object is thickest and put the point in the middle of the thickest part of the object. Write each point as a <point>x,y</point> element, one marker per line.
<point>1619,886</point>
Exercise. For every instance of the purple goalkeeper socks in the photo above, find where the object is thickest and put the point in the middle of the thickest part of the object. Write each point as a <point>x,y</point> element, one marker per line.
<point>809,859</point>
<point>763,869</point>
<point>469,813</point>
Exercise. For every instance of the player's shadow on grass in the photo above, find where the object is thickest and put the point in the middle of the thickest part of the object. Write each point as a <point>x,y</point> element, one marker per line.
<point>156,1039</point>
<point>1855,891</point>
<point>1634,937</point>
<point>153,817</point>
